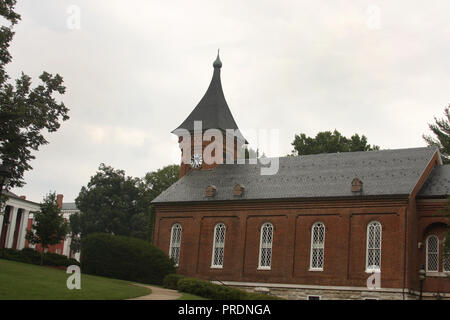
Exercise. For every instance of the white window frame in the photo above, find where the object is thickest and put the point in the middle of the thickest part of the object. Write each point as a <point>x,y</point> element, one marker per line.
<point>320,246</point>
<point>218,245</point>
<point>371,269</point>
<point>265,246</point>
<point>427,253</point>
<point>177,244</point>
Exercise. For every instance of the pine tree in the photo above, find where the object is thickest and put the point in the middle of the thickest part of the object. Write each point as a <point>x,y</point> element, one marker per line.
<point>441,129</point>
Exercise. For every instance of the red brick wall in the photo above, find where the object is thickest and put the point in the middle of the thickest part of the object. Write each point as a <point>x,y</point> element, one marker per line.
<point>185,167</point>
<point>345,240</point>
<point>432,219</point>
<point>52,248</point>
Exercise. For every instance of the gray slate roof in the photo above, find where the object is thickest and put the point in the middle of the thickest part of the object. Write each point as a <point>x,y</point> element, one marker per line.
<point>69,206</point>
<point>212,109</point>
<point>384,173</point>
<point>437,184</point>
<point>15,196</point>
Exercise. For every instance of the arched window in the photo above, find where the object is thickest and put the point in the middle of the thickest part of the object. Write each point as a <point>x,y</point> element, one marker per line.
<point>175,243</point>
<point>265,246</point>
<point>432,248</point>
<point>317,246</point>
<point>218,246</point>
<point>373,247</point>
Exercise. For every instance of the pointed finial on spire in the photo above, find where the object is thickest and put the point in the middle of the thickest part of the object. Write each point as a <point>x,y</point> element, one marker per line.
<point>217,63</point>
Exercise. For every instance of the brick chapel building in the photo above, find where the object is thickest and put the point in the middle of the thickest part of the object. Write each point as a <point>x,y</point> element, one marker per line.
<point>319,228</point>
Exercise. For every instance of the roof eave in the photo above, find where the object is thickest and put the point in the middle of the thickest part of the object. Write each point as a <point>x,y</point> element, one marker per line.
<point>355,197</point>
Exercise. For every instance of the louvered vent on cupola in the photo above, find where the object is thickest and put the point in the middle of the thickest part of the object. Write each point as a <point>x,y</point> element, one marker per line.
<point>357,185</point>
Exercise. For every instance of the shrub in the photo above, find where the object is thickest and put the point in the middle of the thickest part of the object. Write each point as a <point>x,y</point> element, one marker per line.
<point>124,258</point>
<point>29,255</point>
<point>11,254</point>
<point>213,291</point>
<point>57,260</point>
<point>171,281</point>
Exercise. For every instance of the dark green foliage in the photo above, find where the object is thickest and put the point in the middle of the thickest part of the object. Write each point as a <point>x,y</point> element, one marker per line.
<point>112,203</point>
<point>49,226</point>
<point>330,142</point>
<point>75,232</point>
<point>53,259</point>
<point>11,254</point>
<point>124,258</point>
<point>115,203</point>
<point>171,281</point>
<point>213,291</point>
<point>156,182</point>
<point>441,130</point>
<point>159,180</point>
<point>31,256</point>
<point>25,112</point>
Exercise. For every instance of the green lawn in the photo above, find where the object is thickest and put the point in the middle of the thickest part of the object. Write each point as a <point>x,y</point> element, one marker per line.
<point>188,296</point>
<point>20,281</point>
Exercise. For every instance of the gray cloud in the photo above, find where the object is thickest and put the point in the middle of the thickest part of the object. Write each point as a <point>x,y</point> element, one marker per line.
<point>136,69</point>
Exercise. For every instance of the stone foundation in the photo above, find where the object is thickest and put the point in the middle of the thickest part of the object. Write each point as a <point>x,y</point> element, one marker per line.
<point>333,294</point>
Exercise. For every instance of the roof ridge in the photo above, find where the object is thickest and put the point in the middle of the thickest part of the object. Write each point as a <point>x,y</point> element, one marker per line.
<point>349,152</point>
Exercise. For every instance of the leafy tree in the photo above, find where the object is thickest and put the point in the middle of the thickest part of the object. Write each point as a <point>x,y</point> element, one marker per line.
<point>116,204</point>
<point>25,112</point>
<point>113,203</point>
<point>330,142</point>
<point>49,226</point>
<point>75,231</point>
<point>156,182</point>
<point>441,129</point>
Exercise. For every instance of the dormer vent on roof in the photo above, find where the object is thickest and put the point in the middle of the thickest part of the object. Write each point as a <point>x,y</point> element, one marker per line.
<point>357,185</point>
<point>238,190</point>
<point>211,191</point>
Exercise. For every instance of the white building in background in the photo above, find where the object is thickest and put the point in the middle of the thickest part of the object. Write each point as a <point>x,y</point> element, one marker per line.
<point>14,221</point>
<point>17,218</point>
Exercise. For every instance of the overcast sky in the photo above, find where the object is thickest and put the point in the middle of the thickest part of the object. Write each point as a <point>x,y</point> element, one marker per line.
<point>134,70</point>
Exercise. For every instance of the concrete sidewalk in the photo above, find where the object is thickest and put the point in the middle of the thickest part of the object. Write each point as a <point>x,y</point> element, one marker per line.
<point>158,293</point>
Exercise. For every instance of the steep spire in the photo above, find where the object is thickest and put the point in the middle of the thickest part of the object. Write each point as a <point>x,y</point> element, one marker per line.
<point>212,109</point>
<point>217,63</point>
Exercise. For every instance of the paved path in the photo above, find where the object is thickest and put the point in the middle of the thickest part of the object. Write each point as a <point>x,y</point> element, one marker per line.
<point>158,293</point>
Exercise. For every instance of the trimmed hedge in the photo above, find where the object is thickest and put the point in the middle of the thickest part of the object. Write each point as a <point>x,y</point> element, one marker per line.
<point>31,256</point>
<point>124,258</point>
<point>171,281</point>
<point>213,291</point>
